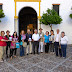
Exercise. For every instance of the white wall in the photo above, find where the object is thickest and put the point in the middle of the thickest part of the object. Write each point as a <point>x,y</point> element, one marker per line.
<point>65,10</point>
<point>8,22</point>
<point>34,5</point>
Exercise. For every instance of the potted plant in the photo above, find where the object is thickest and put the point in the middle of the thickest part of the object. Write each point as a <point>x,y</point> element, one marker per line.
<point>70,14</point>
<point>1,14</point>
<point>50,17</point>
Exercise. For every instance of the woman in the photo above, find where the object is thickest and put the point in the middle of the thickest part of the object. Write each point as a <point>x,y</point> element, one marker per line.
<point>51,39</point>
<point>46,42</point>
<point>3,45</point>
<point>64,41</point>
<point>8,43</point>
<point>22,40</point>
<point>13,44</point>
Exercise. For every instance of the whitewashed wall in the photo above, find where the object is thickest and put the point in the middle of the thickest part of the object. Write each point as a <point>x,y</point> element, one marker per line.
<point>34,5</point>
<point>65,10</point>
<point>8,22</point>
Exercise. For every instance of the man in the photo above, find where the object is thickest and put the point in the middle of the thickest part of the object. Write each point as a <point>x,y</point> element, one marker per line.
<point>41,34</point>
<point>57,42</point>
<point>8,43</point>
<point>35,38</point>
<point>29,44</point>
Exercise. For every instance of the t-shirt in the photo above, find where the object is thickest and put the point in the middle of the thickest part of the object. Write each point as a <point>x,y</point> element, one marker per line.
<point>23,37</point>
<point>57,38</point>
<point>46,39</point>
<point>13,44</point>
<point>2,43</point>
<point>51,38</point>
<point>8,43</point>
<point>41,36</point>
<point>35,37</point>
<point>64,40</point>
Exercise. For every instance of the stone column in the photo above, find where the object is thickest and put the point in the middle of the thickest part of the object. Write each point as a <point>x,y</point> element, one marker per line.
<point>16,26</point>
<point>39,25</point>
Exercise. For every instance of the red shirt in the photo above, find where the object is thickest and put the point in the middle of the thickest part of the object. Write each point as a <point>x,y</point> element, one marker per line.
<point>2,43</point>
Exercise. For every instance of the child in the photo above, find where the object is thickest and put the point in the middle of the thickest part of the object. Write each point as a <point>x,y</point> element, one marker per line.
<point>13,44</point>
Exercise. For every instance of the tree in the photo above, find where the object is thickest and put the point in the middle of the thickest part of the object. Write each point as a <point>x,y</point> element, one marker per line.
<point>50,17</point>
<point>1,14</point>
<point>70,15</point>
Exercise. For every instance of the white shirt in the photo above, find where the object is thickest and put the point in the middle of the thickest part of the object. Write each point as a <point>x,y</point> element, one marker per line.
<point>35,37</point>
<point>57,38</point>
<point>64,40</point>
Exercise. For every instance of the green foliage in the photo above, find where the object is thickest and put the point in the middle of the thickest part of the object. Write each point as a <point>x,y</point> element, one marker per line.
<point>50,17</point>
<point>70,15</point>
<point>1,14</point>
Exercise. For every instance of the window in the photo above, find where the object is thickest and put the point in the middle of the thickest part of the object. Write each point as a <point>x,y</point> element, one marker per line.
<point>1,5</point>
<point>56,7</point>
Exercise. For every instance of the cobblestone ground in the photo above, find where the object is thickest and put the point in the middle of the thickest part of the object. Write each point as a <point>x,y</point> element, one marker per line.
<point>39,63</point>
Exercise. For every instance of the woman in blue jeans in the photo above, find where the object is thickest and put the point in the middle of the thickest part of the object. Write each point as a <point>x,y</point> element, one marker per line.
<point>64,41</point>
<point>21,40</point>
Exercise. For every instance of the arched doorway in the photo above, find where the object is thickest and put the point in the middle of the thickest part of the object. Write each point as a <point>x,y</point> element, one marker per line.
<point>27,19</point>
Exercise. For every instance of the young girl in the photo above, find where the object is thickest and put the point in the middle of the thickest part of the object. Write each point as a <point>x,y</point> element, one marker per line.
<point>51,39</point>
<point>13,44</point>
<point>22,40</point>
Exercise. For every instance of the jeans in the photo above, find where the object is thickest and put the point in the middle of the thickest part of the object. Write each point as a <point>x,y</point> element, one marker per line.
<point>35,47</point>
<point>52,47</point>
<point>60,52</point>
<point>41,47</point>
<point>47,48</point>
<point>13,51</point>
<point>63,48</point>
<point>56,48</point>
<point>21,50</point>
<point>8,46</point>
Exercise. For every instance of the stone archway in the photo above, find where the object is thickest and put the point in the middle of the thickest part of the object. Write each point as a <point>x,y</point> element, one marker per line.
<point>27,19</point>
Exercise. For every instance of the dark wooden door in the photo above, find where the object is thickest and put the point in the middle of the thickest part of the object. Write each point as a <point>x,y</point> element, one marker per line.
<point>27,16</point>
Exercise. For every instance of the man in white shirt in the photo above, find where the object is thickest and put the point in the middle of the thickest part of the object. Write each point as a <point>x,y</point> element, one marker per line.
<point>57,42</point>
<point>35,38</point>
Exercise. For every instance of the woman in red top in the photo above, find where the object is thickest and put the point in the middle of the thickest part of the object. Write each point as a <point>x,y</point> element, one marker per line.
<point>3,44</point>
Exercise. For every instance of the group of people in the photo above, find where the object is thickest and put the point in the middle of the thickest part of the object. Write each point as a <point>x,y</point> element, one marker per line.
<point>33,43</point>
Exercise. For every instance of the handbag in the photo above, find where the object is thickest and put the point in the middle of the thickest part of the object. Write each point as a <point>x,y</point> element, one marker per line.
<point>24,44</point>
<point>17,45</point>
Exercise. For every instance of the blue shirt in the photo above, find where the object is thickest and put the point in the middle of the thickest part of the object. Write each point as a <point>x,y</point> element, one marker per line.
<point>46,38</point>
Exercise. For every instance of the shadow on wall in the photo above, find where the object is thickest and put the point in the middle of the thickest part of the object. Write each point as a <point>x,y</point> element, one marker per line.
<point>4,20</point>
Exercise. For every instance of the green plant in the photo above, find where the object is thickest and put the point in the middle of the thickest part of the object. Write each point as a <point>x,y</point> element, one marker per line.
<point>70,15</point>
<point>1,14</point>
<point>50,17</point>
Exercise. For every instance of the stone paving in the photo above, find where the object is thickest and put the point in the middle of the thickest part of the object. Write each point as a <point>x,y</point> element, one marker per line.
<point>39,63</point>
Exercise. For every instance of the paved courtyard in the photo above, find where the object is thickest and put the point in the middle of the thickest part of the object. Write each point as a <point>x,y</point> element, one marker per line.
<point>39,63</point>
